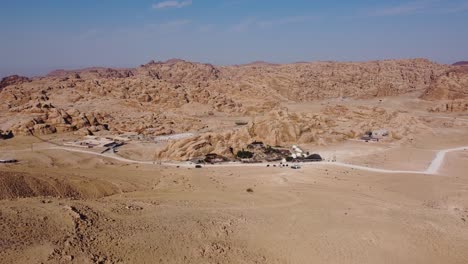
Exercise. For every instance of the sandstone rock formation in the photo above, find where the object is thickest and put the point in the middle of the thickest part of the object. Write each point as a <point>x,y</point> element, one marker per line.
<point>12,80</point>
<point>459,105</point>
<point>321,80</point>
<point>453,84</point>
<point>160,98</point>
<point>48,120</point>
<point>334,124</point>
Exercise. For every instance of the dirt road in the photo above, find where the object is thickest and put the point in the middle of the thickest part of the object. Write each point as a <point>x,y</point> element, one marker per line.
<point>433,168</point>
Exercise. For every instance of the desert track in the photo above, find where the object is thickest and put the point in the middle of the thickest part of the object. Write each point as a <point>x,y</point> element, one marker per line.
<point>433,167</point>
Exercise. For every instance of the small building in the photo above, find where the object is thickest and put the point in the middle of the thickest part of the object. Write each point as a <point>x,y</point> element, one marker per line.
<point>375,135</point>
<point>93,141</point>
<point>285,152</point>
<point>369,138</point>
<point>197,161</point>
<point>297,149</point>
<point>380,133</point>
<point>6,134</point>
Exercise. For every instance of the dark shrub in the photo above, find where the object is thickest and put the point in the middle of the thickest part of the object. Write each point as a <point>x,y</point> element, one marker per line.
<point>242,154</point>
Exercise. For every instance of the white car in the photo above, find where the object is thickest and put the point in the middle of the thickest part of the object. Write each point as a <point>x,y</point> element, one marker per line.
<point>296,167</point>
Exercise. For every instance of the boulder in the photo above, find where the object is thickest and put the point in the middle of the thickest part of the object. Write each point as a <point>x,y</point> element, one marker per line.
<point>43,129</point>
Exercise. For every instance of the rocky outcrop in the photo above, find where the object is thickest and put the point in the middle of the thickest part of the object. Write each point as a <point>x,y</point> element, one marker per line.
<point>322,80</point>
<point>233,89</point>
<point>452,85</point>
<point>161,98</point>
<point>49,120</point>
<point>92,73</point>
<point>450,106</point>
<point>179,71</point>
<point>12,80</point>
<point>334,124</point>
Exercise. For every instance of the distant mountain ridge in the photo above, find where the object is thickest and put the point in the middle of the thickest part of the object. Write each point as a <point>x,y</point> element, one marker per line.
<point>460,63</point>
<point>303,81</point>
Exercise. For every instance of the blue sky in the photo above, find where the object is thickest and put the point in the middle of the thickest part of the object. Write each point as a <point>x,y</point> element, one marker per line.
<point>39,36</point>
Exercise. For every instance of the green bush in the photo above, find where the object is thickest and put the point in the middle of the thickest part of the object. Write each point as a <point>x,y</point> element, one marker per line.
<point>242,154</point>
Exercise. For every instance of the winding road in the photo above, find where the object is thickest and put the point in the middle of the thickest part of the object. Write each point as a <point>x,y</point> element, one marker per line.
<point>433,167</point>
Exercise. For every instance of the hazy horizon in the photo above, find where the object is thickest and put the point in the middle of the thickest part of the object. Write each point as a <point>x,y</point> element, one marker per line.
<point>38,37</point>
<point>45,71</point>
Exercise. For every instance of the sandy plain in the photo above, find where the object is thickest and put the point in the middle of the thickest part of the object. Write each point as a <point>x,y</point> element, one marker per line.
<point>93,209</point>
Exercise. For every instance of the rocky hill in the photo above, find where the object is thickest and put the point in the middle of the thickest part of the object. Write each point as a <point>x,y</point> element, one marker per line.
<point>278,128</point>
<point>168,97</point>
<point>460,63</point>
<point>12,80</point>
<point>321,80</point>
<point>452,85</point>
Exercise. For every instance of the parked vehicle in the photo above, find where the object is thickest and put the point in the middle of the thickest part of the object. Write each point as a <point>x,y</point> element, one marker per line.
<point>296,167</point>
<point>198,166</point>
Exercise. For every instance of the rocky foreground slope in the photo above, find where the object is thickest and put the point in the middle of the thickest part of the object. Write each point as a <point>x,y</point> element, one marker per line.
<point>161,98</point>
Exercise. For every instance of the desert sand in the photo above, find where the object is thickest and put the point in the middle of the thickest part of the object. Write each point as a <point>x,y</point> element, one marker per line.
<point>116,212</point>
<point>403,199</point>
